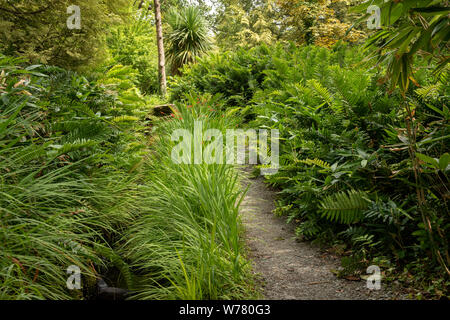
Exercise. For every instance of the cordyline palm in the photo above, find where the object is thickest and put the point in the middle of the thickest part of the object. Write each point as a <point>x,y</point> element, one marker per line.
<point>188,37</point>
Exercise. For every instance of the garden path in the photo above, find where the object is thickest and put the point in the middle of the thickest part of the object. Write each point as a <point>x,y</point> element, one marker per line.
<point>287,268</point>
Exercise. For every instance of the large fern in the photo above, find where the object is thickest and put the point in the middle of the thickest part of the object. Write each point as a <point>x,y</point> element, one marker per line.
<point>345,207</point>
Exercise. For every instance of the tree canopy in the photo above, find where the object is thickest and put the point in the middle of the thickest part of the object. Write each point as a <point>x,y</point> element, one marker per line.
<point>38,30</point>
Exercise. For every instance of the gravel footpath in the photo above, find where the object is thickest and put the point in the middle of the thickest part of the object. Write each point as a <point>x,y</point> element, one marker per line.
<point>290,269</point>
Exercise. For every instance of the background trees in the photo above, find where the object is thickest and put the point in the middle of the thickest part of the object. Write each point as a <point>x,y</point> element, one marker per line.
<point>320,22</point>
<point>38,31</point>
<point>134,45</point>
<point>245,23</point>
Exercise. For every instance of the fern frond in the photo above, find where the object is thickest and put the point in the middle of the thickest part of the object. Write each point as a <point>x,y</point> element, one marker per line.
<point>321,91</point>
<point>118,262</point>
<point>125,119</point>
<point>27,154</point>
<point>345,207</point>
<point>70,147</point>
<point>430,91</point>
<point>325,95</point>
<point>121,72</point>
<point>317,162</point>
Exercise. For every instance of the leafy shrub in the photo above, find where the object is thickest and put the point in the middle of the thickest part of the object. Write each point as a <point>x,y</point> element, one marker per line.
<point>235,76</point>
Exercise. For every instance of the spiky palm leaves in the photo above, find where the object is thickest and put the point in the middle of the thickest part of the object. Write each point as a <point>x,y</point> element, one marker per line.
<point>188,37</point>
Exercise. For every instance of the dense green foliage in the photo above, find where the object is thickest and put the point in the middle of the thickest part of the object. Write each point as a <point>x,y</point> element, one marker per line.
<point>78,184</point>
<point>135,45</point>
<point>67,158</point>
<point>86,173</point>
<point>187,243</point>
<point>236,76</point>
<point>410,27</point>
<point>345,176</point>
<point>38,30</point>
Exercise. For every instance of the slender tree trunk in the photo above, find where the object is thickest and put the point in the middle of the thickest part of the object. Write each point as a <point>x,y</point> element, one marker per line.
<point>161,56</point>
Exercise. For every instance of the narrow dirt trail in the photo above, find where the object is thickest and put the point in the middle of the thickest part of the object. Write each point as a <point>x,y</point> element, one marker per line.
<point>290,269</point>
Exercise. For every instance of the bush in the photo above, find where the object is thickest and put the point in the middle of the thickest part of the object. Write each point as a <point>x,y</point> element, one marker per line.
<point>186,244</point>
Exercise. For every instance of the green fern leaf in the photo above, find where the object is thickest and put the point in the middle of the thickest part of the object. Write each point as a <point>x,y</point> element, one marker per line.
<point>325,95</point>
<point>317,162</point>
<point>345,207</point>
<point>125,119</point>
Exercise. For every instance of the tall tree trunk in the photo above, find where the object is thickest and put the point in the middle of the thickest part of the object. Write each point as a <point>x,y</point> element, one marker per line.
<point>161,56</point>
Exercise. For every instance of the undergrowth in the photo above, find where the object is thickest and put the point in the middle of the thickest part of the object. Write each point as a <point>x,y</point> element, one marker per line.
<point>346,176</point>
